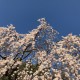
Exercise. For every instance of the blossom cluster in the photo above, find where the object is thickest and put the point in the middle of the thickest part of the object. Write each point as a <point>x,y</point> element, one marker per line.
<point>35,56</point>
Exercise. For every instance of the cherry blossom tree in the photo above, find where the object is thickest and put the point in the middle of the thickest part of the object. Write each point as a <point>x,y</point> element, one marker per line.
<point>36,56</point>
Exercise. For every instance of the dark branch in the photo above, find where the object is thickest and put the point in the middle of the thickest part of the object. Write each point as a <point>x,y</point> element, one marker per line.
<point>3,57</point>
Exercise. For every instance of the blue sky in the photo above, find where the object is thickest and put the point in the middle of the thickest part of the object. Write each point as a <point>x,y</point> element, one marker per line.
<point>63,15</point>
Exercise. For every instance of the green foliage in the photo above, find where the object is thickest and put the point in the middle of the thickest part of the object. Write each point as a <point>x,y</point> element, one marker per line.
<point>33,68</point>
<point>4,78</point>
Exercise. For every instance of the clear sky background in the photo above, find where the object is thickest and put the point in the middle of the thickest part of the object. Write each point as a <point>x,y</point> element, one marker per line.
<point>63,15</point>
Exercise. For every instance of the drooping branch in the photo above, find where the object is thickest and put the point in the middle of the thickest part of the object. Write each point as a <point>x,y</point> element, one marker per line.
<point>3,57</point>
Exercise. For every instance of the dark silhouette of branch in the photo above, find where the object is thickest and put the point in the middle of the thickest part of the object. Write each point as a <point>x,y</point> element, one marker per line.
<point>3,57</point>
